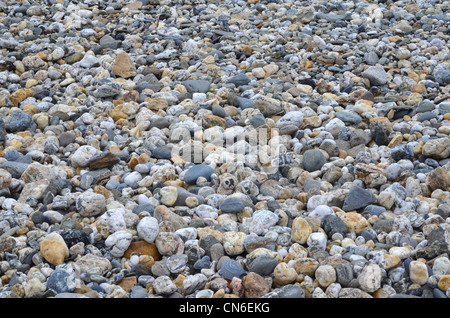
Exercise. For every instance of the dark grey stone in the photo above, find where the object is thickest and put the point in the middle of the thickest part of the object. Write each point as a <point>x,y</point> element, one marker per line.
<point>66,138</point>
<point>161,153</point>
<point>231,268</point>
<point>108,42</point>
<point>197,171</point>
<point>20,121</point>
<point>244,103</point>
<point>375,209</point>
<point>258,120</point>
<point>358,198</point>
<point>426,116</point>
<point>219,111</point>
<point>239,80</point>
<point>15,168</point>
<point>232,205</point>
<point>402,152</point>
<point>144,207</point>
<point>344,274</point>
<point>333,224</point>
<point>383,226</point>
<point>60,282</point>
<point>313,160</point>
<point>262,265</point>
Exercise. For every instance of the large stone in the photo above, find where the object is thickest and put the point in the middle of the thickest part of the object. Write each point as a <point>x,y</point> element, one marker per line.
<point>123,66</point>
<point>148,229</point>
<point>102,160</point>
<point>142,248</point>
<point>418,272</point>
<point>301,230</point>
<point>81,157</point>
<point>355,222</point>
<point>91,264</point>
<point>54,249</point>
<point>90,204</point>
<point>370,278</point>
<point>197,86</point>
<point>255,285</point>
<point>376,75</point>
<point>437,148</point>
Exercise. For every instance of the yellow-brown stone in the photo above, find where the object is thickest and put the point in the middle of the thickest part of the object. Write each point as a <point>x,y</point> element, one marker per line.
<point>21,94</point>
<point>210,120</point>
<point>82,289</point>
<point>30,109</point>
<point>305,266</point>
<point>133,162</point>
<point>142,248</point>
<point>247,49</point>
<point>53,251</point>
<point>42,56</point>
<point>308,64</point>
<point>117,114</point>
<point>123,66</point>
<point>355,222</point>
<point>114,148</point>
<point>143,158</point>
<point>30,83</point>
<point>202,231</point>
<point>419,88</point>
<point>156,103</point>
<point>395,141</point>
<point>147,261</point>
<point>444,282</point>
<point>15,144</point>
<point>301,230</point>
<point>127,283</point>
<point>179,281</point>
<point>103,191</point>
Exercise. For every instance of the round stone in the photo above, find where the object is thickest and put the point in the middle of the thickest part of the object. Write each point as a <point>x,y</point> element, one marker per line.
<point>313,160</point>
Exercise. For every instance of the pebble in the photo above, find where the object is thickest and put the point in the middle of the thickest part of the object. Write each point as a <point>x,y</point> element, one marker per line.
<point>358,198</point>
<point>232,205</point>
<point>243,149</point>
<point>197,171</point>
<point>313,160</point>
<point>148,229</point>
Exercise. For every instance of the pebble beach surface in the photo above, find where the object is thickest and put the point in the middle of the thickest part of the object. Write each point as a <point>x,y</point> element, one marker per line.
<point>224,149</point>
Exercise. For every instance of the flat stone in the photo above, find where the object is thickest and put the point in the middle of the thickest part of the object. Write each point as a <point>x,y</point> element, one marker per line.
<point>239,80</point>
<point>197,86</point>
<point>102,160</point>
